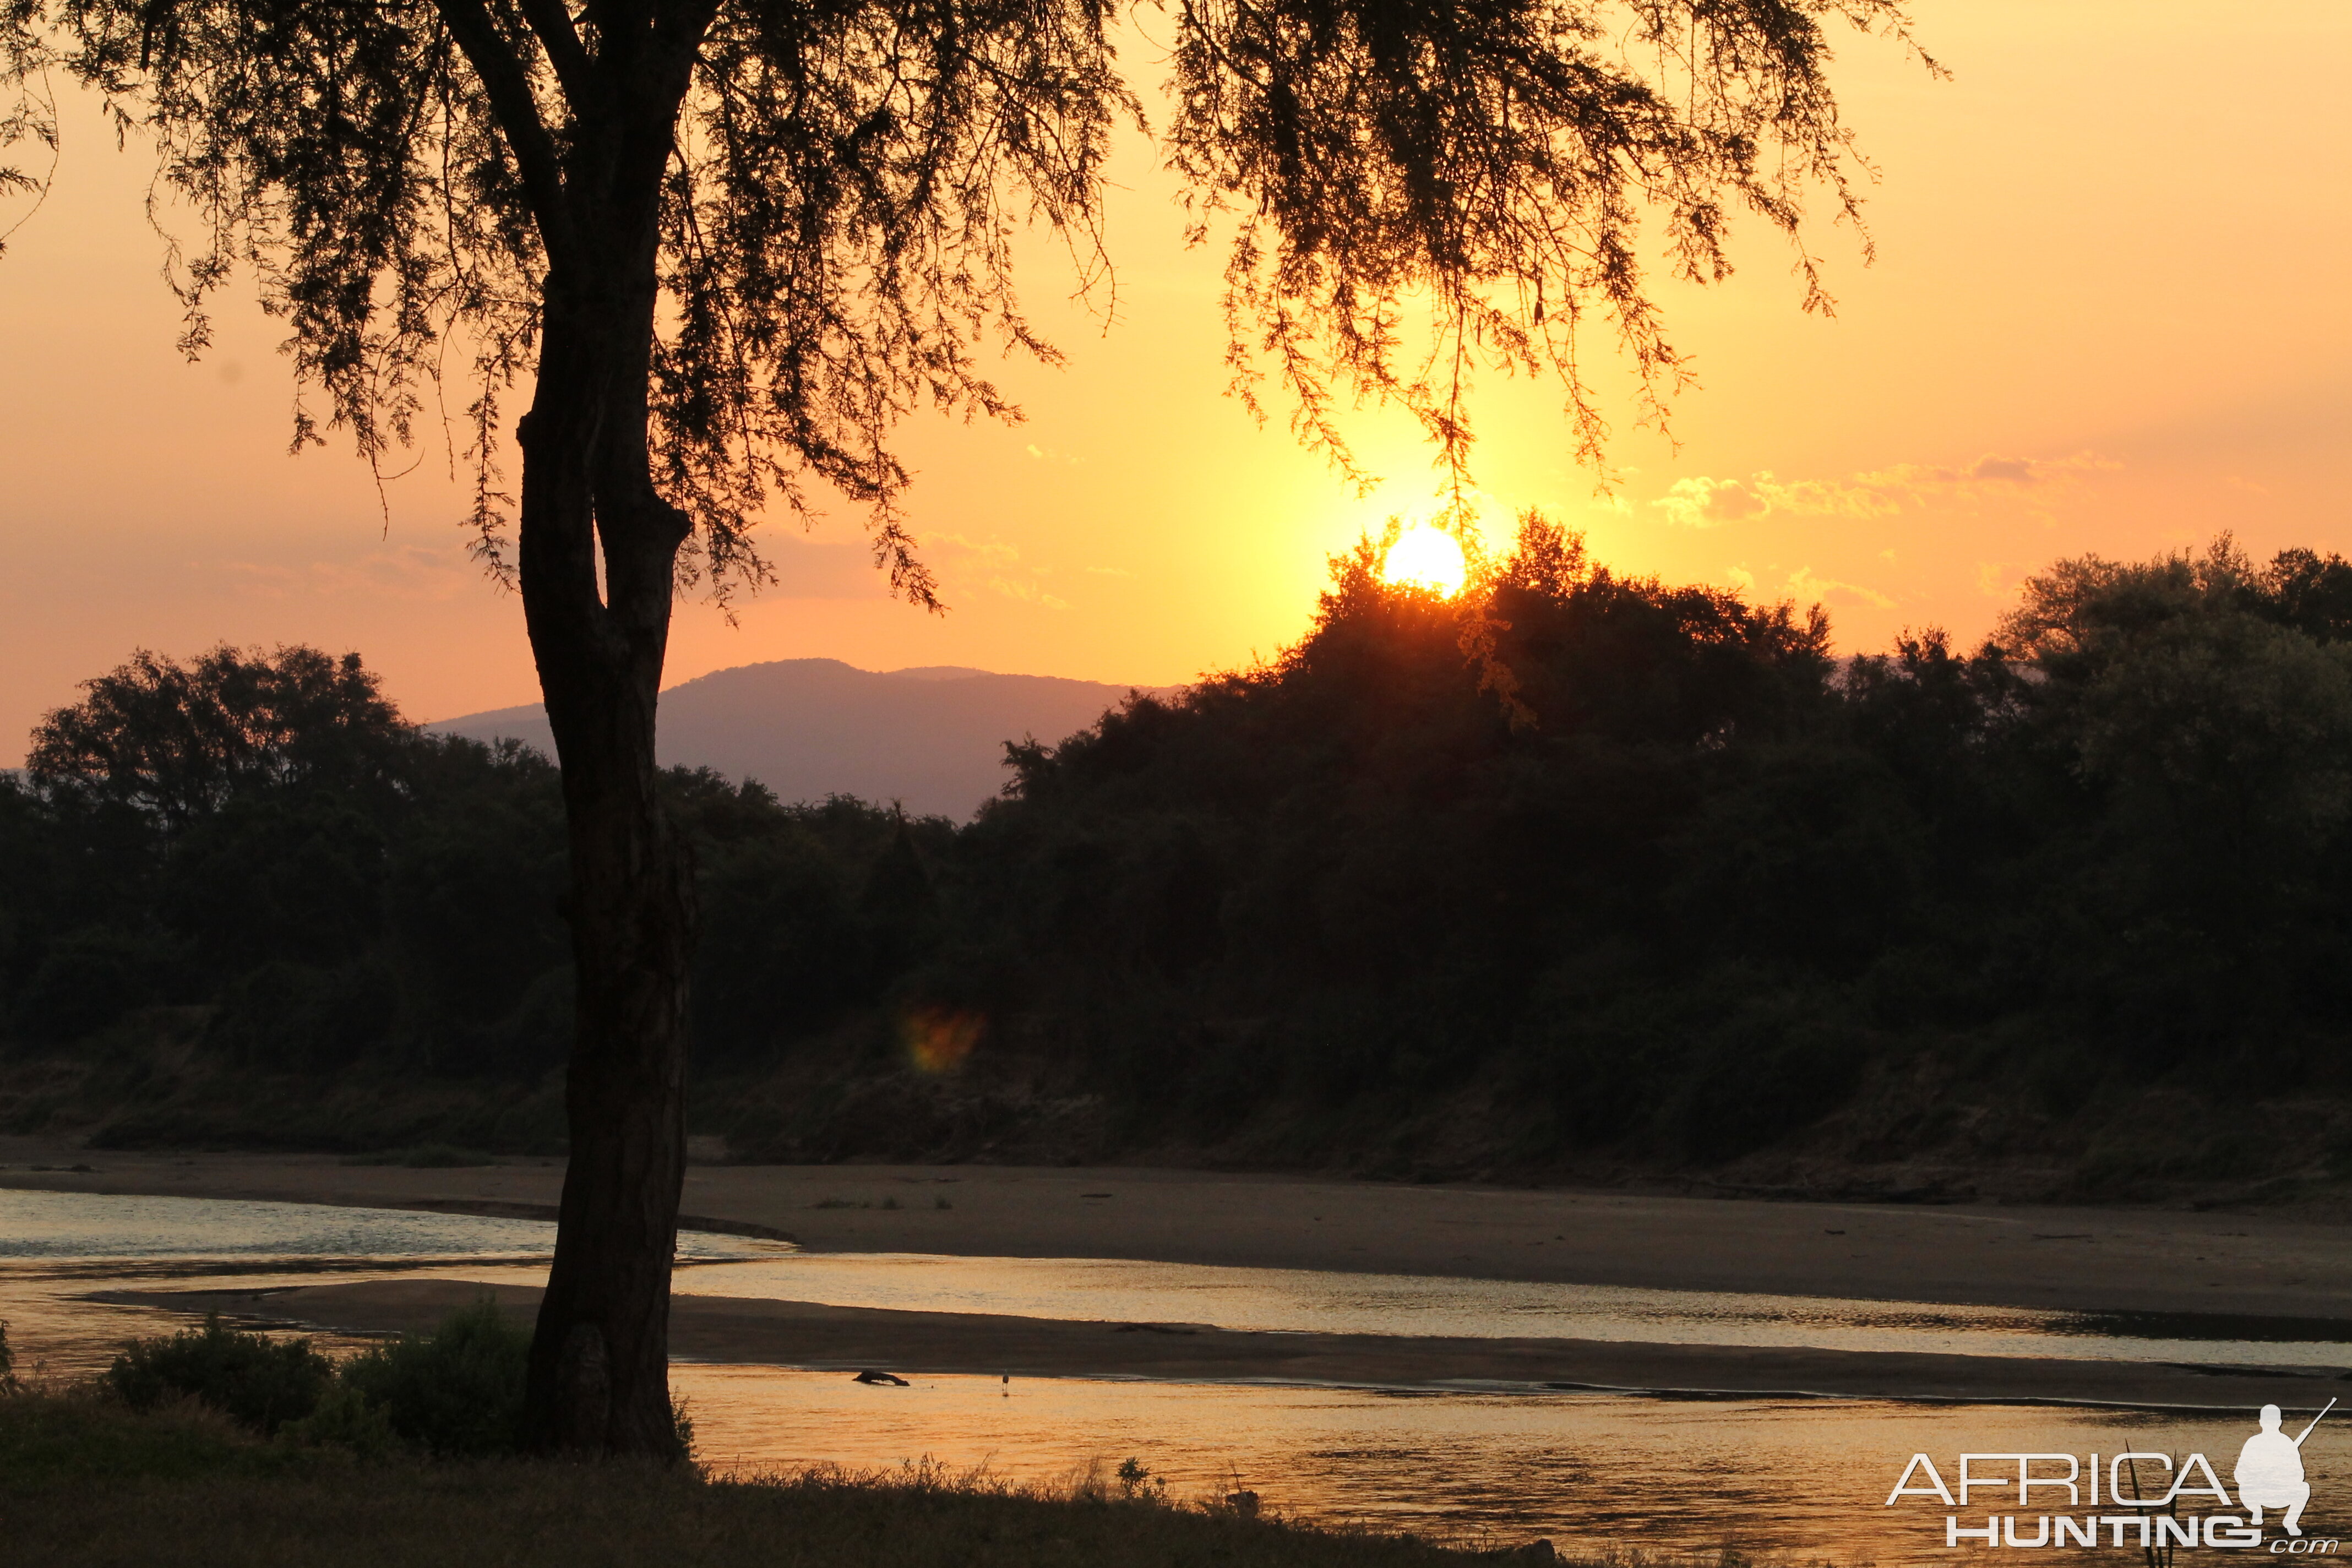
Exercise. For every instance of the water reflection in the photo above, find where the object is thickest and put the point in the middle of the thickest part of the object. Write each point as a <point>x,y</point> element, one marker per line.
<point>1805,1478</point>
<point>102,1227</point>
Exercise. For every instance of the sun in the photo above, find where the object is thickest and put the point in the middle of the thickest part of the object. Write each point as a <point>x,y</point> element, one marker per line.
<point>1425,557</point>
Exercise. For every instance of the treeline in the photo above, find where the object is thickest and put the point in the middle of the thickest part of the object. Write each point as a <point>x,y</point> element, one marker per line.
<point>253,855</point>
<point>1648,871</point>
<point>1572,868</point>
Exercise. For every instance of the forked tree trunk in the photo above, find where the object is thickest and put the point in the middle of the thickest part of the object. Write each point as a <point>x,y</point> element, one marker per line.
<point>599,1378</point>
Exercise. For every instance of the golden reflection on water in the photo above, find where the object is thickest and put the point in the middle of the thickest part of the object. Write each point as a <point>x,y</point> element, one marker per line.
<point>1800,1478</point>
<point>1795,1477</point>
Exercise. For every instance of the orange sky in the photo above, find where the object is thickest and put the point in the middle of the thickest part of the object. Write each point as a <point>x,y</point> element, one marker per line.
<point>2108,314</point>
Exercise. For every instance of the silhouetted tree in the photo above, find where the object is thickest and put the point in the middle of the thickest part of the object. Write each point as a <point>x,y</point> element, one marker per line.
<point>736,239</point>
<point>178,739</point>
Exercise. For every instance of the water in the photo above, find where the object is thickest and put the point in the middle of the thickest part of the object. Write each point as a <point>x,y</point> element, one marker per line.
<point>1798,1478</point>
<point>58,1249</point>
<point>61,1229</point>
<point>1805,1479</point>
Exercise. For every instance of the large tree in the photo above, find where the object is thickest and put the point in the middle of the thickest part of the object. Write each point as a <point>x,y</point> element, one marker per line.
<point>730,243</point>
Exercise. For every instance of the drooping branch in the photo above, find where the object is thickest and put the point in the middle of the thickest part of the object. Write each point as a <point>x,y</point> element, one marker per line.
<point>1495,163</point>
<point>28,110</point>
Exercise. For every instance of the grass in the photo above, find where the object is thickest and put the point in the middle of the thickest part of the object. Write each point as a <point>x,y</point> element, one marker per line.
<point>85,1482</point>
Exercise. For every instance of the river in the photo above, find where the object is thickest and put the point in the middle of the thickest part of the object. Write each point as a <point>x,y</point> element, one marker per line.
<point>1798,1478</point>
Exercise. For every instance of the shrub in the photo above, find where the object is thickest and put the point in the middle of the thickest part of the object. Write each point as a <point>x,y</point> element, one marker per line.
<point>259,1382</point>
<point>455,1392</point>
<point>345,1419</point>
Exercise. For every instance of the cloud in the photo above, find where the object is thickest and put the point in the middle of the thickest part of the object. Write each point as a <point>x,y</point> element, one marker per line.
<point>990,564</point>
<point>2001,579</point>
<point>1803,585</point>
<point>1987,475</point>
<point>1705,502</point>
<point>1710,503</point>
<point>402,572</point>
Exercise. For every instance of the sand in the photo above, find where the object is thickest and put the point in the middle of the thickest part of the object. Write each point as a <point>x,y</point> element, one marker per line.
<point>1981,1254</point>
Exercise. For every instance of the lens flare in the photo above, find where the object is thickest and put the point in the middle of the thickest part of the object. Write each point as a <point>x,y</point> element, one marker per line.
<point>938,1038</point>
<point>1423,557</point>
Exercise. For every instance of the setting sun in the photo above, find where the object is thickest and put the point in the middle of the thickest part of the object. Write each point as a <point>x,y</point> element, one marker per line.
<point>1426,558</point>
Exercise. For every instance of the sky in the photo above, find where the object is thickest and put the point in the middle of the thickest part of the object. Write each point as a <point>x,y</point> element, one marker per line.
<point>2107,314</point>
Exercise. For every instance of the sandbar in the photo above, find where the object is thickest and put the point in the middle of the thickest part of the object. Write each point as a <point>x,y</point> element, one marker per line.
<point>2133,1259</point>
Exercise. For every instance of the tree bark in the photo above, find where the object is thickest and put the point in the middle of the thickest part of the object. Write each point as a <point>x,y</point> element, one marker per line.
<point>599,1374</point>
<point>598,557</point>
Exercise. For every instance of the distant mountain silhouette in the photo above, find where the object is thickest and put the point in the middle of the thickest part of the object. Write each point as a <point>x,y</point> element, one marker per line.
<point>932,737</point>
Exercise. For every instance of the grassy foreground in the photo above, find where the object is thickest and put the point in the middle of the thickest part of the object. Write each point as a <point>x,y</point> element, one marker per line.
<point>86,1482</point>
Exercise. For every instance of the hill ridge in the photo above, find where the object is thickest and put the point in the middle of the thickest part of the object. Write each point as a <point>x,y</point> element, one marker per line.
<point>931,737</point>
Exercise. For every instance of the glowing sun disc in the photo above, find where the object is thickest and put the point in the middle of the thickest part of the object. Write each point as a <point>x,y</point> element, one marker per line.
<point>1426,558</point>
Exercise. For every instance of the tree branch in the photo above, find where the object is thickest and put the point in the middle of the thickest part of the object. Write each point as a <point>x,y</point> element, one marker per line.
<point>509,87</point>
<point>552,21</point>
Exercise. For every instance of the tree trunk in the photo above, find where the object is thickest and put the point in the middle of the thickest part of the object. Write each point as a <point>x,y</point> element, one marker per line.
<point>599,1378</point>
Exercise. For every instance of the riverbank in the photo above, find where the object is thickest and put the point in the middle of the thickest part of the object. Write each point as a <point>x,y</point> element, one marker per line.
<point>87,1484</point>
<point>803,1335</point>
<point>2085,1259</point>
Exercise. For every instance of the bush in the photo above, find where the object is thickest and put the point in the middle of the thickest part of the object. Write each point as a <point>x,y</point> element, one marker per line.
<point>454,1392</point>
<point>259,1382</point>
<point>345,1419</point>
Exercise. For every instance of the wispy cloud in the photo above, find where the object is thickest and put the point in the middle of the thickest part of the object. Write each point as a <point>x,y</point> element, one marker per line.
<point>402,572</point>
<point>1705,502</point>
<point>990,564</point>
<point>1803,585</point>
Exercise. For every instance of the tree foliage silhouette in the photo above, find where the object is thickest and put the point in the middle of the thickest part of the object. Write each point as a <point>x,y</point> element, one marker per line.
<point>732,242</point>
<point>176,739</point>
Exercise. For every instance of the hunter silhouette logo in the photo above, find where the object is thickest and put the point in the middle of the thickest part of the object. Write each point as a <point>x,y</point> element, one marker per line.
<point>2270,1472</point>
<point>2134,1498</point>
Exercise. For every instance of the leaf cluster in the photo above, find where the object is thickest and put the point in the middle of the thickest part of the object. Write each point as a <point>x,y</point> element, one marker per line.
<point>838,198</point>
<point>257,1381</point>
<point>1492,167</point>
